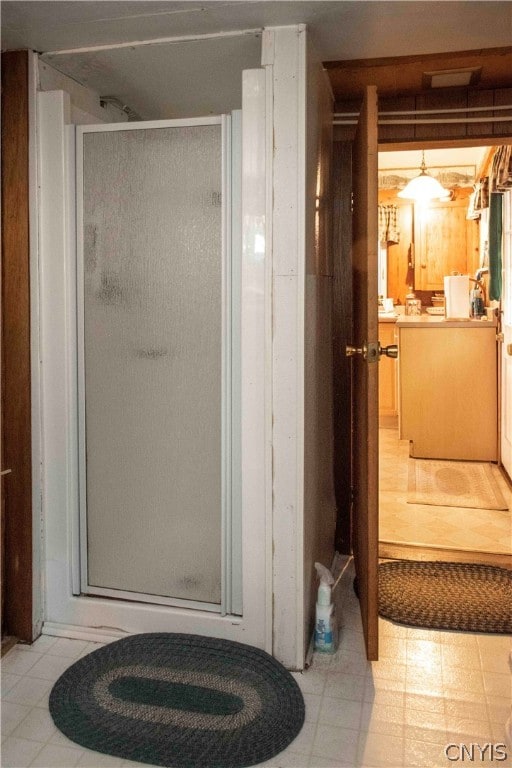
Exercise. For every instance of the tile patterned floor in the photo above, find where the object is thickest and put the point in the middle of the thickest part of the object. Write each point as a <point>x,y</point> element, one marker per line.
<point>429,689</point>
<point>461,528</point>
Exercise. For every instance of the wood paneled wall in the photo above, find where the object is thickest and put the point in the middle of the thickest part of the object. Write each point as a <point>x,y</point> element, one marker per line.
<point>16,391</point>
<point>442,99</point>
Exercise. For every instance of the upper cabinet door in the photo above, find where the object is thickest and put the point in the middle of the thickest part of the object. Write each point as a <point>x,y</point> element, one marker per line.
<point>443,238</point>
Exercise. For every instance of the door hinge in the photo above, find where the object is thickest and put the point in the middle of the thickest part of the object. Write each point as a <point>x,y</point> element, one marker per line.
<point>500,336</point>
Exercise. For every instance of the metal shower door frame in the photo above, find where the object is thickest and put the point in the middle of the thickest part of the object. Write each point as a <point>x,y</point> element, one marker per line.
<point>231,544</point>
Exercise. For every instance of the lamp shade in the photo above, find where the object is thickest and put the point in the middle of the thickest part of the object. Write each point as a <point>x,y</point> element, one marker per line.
<point>423,187</point>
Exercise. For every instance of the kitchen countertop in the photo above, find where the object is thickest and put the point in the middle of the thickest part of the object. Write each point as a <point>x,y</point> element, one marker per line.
<point>438,321</point>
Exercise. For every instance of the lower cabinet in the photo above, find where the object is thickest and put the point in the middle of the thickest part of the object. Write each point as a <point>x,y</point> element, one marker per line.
<point>388,384</point>
<point>448,392</point>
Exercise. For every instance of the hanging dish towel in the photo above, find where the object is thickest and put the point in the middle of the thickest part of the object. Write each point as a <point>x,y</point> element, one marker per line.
<point>495,237</point>
<point>388,227</point>
<point>501,171</point>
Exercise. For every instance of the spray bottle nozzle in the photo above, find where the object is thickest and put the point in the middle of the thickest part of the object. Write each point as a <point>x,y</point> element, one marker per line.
<point>324,574</point>
<point>326,581</point>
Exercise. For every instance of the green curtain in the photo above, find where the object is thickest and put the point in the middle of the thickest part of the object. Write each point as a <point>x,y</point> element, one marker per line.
<point>495,237</point>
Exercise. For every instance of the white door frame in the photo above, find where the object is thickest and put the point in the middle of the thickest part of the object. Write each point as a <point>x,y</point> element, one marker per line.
<point>505,346</point>
<point>96,618</point>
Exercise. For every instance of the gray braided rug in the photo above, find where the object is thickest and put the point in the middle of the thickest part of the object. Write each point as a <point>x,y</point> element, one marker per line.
<point>179,700</point>
<point>456,596</point>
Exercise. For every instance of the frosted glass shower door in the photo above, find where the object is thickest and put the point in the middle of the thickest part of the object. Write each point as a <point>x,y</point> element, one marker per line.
<point>154,298</point>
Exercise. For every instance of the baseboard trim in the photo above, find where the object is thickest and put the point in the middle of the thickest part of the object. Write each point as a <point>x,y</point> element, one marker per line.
<point>392,550</point>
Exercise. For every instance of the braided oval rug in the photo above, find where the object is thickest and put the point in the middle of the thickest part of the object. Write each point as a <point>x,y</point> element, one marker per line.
<point>457,596</point>
<point>179,700</point>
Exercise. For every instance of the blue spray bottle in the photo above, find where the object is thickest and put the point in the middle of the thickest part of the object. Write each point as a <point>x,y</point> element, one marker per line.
<point>326,630</point>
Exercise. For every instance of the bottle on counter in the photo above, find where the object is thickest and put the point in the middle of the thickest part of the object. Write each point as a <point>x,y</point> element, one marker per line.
<point>477,303</point>
<point>412,304</point>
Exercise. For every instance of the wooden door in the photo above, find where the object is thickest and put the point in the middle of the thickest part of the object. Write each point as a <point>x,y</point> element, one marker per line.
<point>365,369</point>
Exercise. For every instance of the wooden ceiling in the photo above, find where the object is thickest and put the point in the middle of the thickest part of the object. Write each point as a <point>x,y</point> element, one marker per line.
<point>400,76</point>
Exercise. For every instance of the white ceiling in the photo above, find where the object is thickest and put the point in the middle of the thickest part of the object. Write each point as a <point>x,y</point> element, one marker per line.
<point>434,158</point>
<point>342,30</point>
<point>172,79</point>
<point>186,79</point>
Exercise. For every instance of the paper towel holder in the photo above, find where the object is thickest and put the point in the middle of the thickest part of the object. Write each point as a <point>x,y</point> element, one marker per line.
<point>456,292</point>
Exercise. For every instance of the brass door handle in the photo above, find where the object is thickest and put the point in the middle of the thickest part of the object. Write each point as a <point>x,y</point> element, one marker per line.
<point>390,351</point>
<point>5,472</point>
<point>372,352</point>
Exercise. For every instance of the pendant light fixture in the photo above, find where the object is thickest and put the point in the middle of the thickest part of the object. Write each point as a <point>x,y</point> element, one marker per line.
<point>423,187</point>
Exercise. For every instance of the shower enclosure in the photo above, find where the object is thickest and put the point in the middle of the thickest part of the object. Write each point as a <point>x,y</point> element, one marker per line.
<point>158,362</point>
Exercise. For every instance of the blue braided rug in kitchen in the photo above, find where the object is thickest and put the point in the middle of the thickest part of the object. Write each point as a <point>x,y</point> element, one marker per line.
<point>463,597</point>
<point>179,700</point>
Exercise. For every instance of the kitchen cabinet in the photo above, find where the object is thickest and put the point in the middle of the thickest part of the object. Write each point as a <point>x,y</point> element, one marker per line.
<point>448,388</point>
<point>444,242</point>
<point>388,382</point>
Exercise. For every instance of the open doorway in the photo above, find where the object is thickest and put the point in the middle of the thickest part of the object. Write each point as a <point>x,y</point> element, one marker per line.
<point>404,270</point>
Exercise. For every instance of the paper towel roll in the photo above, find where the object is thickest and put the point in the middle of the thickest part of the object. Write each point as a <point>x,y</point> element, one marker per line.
<point>456,292</point>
